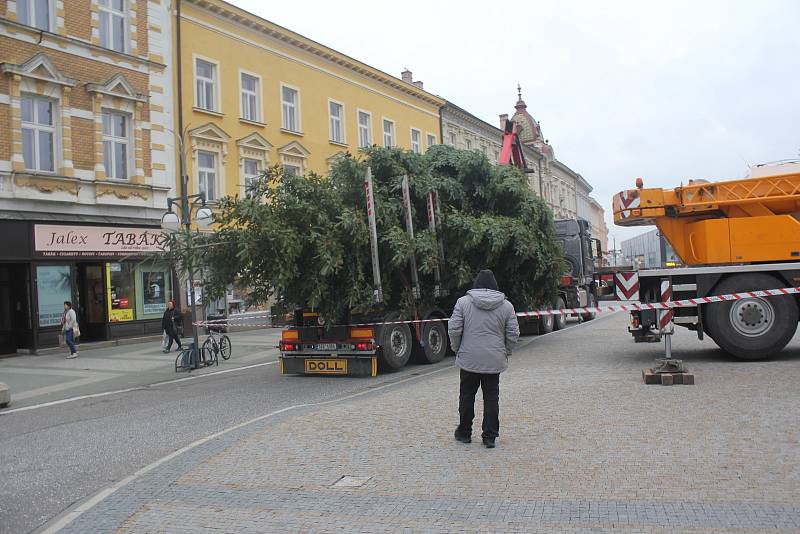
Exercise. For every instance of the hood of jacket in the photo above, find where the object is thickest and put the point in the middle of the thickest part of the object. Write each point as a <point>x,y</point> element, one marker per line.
<point>486,299</point>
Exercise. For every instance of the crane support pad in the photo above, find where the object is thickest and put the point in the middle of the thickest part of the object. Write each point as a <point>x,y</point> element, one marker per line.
<point>667,379</point>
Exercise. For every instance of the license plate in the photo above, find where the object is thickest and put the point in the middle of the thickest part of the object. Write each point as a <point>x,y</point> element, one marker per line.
<point>325,346</point>
<point>326,367</point>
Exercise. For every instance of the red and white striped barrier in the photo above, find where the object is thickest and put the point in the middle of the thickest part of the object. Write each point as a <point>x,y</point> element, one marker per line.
<point>631,306</point>
<point>665,316</point>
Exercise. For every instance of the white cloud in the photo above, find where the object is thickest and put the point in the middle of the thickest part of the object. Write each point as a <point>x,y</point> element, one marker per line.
<point>666,91</point>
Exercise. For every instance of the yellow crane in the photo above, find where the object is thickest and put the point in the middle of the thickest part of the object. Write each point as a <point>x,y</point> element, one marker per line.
<point>734,236</point>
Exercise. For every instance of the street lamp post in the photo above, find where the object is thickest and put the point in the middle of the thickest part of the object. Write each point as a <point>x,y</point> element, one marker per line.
<point>171,222</point>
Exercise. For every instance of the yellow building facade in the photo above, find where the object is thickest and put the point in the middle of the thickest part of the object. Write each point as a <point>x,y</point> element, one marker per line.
<point>253,94</point>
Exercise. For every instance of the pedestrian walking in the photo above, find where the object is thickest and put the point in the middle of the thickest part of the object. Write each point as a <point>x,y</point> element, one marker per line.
<point>169,323</point>
<point>69,327</point>
<point>483,331</point>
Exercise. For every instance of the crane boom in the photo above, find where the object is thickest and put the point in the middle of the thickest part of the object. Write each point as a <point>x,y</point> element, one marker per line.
<point>750,220</point>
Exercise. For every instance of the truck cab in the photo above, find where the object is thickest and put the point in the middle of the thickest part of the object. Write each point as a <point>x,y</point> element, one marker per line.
<point>577,286</point>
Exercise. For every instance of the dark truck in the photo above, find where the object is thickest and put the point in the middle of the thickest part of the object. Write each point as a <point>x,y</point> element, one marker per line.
<point>579,285</point>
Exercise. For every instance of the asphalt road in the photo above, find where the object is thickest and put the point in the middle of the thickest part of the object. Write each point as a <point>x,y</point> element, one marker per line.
<point>55,456</point>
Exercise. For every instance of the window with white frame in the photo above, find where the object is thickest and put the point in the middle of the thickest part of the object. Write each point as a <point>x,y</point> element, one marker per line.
<point>207,173</point>
<point>467,144</point>
<point>292,170</point>
<point>388,133</point>
<point>416,141</point>
<point>38,133</point>
<point>453,139</point>
<point>336,113</point>
<point>364,129</point>
<point>116,141</point>
<point>250,100</point>
<point>34,13</point>
<point>290,108</point>
<point>112,16</point>
<point>251,170</point>
<point>431,140</point>
<point>205,74</point>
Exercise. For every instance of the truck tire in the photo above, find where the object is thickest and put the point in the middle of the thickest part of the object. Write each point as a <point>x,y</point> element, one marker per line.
<point>434,337</point>
<point>751,328</point>
<point>591,302</point>
<point>560,320</point>
<point>396,343</point>
<point>546,323</point>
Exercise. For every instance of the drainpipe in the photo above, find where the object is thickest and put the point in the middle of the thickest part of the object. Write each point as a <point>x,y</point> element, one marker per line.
<point>179,72</point>
<point>541,178</point>
<point>441,125</point>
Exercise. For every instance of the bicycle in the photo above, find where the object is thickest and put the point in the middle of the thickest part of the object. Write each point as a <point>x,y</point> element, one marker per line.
<point>219,344</point>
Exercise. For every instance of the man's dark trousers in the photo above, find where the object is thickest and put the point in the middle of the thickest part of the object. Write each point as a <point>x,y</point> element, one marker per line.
<point>490,385</point>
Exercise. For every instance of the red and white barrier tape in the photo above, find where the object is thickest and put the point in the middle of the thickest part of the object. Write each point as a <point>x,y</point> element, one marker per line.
<point>632,306</point>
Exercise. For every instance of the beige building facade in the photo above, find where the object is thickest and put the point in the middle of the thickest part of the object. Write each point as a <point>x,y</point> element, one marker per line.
<point>86,165</point>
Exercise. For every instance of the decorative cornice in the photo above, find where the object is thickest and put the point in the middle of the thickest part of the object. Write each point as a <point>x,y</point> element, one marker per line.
<point>118,80</point>
<point>37,61</point>
<point>66,39</point>
<point>260,25</point>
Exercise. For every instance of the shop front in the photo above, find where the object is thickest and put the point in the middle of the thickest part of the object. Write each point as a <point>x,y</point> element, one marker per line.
<point>112,275</point>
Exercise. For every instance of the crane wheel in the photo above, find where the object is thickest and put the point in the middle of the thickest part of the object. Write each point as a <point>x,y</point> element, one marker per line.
<point>559,321</point>
<point>751,328</point>
<point>396,343</point>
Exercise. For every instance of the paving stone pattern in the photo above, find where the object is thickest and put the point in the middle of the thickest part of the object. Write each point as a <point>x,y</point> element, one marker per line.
<point>584,446</point>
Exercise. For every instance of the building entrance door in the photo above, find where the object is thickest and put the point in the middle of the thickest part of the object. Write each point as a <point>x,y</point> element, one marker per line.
<point>91,301</point>
<point>15,320</point>
<point>8,341</point>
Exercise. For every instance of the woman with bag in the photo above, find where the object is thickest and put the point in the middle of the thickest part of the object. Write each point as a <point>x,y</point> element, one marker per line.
<point>69,326</point>
<point>169,325</point>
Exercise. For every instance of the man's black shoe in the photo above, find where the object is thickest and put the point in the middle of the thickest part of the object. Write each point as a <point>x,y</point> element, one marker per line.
<point>488,443</point>
<point>463,438</point>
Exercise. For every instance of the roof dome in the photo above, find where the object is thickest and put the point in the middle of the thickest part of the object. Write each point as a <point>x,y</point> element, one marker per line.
<point>529,128</point>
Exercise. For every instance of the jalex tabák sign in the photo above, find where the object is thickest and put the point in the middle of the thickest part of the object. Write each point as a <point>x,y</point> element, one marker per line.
<point>64,240</point>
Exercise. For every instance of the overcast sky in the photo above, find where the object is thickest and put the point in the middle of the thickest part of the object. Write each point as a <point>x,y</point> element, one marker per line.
<point>667,91</point>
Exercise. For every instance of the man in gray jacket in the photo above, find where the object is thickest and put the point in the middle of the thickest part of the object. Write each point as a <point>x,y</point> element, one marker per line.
<point>483,331</point>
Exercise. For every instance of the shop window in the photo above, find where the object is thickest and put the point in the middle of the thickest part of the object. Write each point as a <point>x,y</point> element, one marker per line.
<point>155,290</point>
<point>53,287</point>
<point>122,290</point>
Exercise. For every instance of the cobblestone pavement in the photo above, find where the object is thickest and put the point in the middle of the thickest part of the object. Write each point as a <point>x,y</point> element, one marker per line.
<point>584,446</point>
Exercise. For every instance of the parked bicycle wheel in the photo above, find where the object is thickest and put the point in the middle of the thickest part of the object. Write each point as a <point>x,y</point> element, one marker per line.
<point>225,347</point>
<point>210,351</point>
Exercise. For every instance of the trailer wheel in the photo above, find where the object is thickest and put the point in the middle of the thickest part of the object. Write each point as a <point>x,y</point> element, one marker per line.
<point>434,337</point>
<point>396,343</point>
<point>591,302</point>
<point>560,320</point>
<point>751,328</point>
<point>546,323</point>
